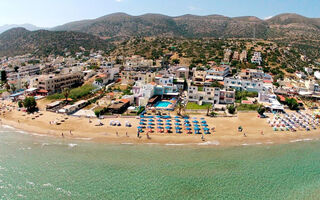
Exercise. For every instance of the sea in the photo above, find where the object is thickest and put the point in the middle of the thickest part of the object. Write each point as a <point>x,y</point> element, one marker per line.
<point>41,167</point>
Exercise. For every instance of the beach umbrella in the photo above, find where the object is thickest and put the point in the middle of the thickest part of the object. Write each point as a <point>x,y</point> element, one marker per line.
<point>140,130</point>
<point>194,117</point>
<point>186,117</point>
<point>151,120</point>
<point>150,127</point>
<point>141,123</point>
<point>177,124</point>
<point>179,128</point>
<point>195,121</point>
<point>204,122</point>
<point>140,127</point>
<point>186,121</point>
<point>160,120</point>
<point>202,118</point>
<point>205,125</point>
<point>141,116</point>
<point>205,129</point>
<point>176,117</point>
<point>143,120</point>
<point>158,116</point>
<point>159,127</point>
<point>169,124</point>
<point>151,116</point>
<point>187,125</point>
<point>160,124</point>
<point>150,123</point>
<point>177,120</point>
<point>168,127</point>
<point>168,120</point>
<point>188,128</point>
<point>197,125</point>
<point>197,129</point>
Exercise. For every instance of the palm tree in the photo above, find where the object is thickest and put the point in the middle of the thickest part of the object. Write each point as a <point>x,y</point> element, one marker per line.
<point>13,87</point>
<point>26,84</point>
<point>180,108</point>
<point>66,93</point>
<point>209,106</point>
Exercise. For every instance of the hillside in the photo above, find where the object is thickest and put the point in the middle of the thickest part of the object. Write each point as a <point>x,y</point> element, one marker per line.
<point>123,25</point>
<point>20,41</point>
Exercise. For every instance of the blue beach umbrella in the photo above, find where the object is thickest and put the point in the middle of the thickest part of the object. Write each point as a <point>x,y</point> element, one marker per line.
<point>161,124</point>
<point>141,123</point>
<point>150,123</point>
<point>168,127</point>
<point>186,121</point>
<point>168,120</point>
<point>202,118</point>
<point>186,117</point>
<point>169,124</point>
<point>204,122</point>
<point>143,120</point>
<point>196,125</point>
<point>188,128</point>
<point>159,127</point>
<point>178,128</point>
<point>205,129</point>
<point>140,127</point>
<point>187,125</point>
<point>177,120</point>
<point>149,127</point>
<point>151,120</point>
<point>160,120</point>
<point>158,116</point>
<point>197,129</point>
<point>177,117</point>
<point>177,124</point>
<point>195,121</point>
<point>205,125</point>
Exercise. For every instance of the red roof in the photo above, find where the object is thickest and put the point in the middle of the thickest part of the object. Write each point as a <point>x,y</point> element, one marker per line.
<point>43,91</point>
<point>267,81</point>
<point>282,98</point>
<point>125,100</point>
<point>246,102</point>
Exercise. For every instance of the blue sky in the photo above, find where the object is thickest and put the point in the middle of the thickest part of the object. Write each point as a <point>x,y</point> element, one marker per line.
<point>48,13</point>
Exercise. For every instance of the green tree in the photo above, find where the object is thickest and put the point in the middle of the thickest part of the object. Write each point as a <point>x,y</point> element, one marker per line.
<point>261,110</point>
<point>231,109</point>
<point>292,103</point>
<point>66,93</point>
<point>30,104</point>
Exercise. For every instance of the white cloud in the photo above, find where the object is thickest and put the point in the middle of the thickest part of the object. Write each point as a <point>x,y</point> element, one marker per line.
<point>266,18</point>
<point>192,8</point>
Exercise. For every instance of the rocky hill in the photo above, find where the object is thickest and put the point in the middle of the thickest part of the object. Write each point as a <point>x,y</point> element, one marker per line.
<point>124,25</point>
<point>20,41</point>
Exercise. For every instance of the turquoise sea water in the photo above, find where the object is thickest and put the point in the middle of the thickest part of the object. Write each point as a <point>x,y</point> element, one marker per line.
<point>33,167</point>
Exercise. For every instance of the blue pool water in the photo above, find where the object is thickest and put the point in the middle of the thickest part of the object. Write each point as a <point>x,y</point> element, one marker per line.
<point>163,104</point>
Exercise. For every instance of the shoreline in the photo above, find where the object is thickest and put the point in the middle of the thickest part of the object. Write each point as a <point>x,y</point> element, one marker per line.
<point>225,135</point>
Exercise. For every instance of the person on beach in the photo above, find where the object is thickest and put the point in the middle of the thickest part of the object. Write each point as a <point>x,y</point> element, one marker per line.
<point>202,137</point>
<point>70,132</point>
<point>148,135</point>
<point>62,135</point>
<point>244,134</point>
<point>117,133</point>
<point>138,134</point>
<point>127,134</point>
<point>261,132</point>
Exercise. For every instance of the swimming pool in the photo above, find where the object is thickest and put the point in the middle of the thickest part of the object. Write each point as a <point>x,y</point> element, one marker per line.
<point>163,104</point>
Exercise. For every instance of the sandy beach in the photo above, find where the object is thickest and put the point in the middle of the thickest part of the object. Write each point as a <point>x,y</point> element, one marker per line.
<point>226,133</point>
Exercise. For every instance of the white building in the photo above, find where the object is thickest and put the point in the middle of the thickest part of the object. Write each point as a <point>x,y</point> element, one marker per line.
<point>210,95</point>
<point>256,58</point>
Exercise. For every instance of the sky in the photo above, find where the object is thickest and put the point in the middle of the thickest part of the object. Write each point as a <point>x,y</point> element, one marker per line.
<point>49,13</point>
